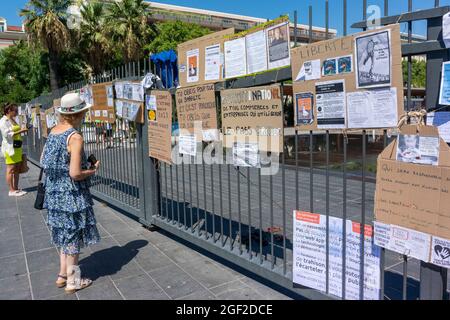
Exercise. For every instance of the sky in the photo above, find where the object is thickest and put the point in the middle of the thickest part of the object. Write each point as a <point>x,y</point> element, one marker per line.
<point>270,9</point>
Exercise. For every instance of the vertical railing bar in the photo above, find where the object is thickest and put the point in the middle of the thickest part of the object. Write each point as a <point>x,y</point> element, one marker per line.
<point>297,200</point>
<point>344,221</point>
<point>198,199</point>
<point>178,188</point>
<point>249,215</point>
<point>184,192</point>
<point>205,200</point>
<point>272,248</point>
<point>190,192</point>
<point>363,216</point>
<point>311,173</point>
<point>327,20</point>
<point>310,24</point>
<point>238,174</point>
<point>213,213</point>
<point>166,187</point>
<point>172,201</point>
<point>230,221</point>
<point>221,205</point>
<point>327,205</point>
<point>295,27</point>
<point>260,217</point>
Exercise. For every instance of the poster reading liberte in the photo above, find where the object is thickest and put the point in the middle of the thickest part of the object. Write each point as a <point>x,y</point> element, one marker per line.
<point>160,131</point>
<point>253,115</point>
<point>310,256</point>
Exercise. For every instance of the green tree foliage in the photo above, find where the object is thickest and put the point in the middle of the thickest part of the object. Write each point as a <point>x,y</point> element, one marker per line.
<point>45,23</point>
<point>170,34</point>
<point>23,73</point>
<point>418,74</point>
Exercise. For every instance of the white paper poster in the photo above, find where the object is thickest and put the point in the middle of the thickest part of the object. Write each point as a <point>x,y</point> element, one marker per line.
<point>309,71</point>
<point>444,96</point>
<point>210,135</point>
<point>372,109</point>
<point>405,241</point>
<point>212,62</point>
<point>309,267</point>
<point>109,96</point>
<point>119,111</point>
<point>256,52</point>
<point>441,120</point>
<point>133,110</point>
<point>119,90</point>
<point>441,252</point>
<point>138,92</point>
<point>246,155</point>
<point>373,59</point>
<point>97,113</point>
<point>127,91</point>
<point>235,58</point>
<point>331,104</point>
<point>192,58</point>
<point>278,46</point>
<point>446,29</point>
<point>105,113</point>
<point>187,144</point>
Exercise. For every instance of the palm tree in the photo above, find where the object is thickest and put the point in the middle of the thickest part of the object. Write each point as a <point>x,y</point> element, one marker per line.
<point>127,23</point>
<point>93,42</point>
<point>45,23</point>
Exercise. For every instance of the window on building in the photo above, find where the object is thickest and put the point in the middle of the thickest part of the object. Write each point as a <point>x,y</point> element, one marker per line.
<point>2,27</point>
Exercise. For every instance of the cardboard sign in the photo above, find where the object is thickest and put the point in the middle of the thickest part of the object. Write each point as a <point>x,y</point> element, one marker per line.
<point>338,61</point>
<point>197,104</point>
<point>101,103</point>
<point>192,59</point>
<point>160,130</point>
<point>253,115</point>
<point>414,196</point>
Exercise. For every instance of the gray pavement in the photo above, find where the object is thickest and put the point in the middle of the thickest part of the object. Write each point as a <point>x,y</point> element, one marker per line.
<point>130,262</point>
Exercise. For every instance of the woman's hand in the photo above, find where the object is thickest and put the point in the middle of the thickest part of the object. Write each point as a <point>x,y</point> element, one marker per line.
<point>97,166</point>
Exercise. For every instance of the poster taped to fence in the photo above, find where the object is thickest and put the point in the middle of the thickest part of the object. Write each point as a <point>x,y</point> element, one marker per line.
<point>235,58</point>
<point>441,120</point>
<point>444,96</point>
<point>103,99</point>
<point>331,104</point>
<point>310,255</point>
<point>405,241</point>
<point>197,105</point>
<point>207,58</point>
<point>414,196</point>
<point>187,144</point>
<point>256,51</point>
<point>110,95</point>
<point>160,130</point>
<point>441,252</point>
<point>412,148</point>
<point>340,55</point>
<point>253,115</point>
<point>192,58</point>
<point>373,59</point>
<point>212,62</point>
<point>304,103</point>
<point>278,46</point>
<point>246,155</point>
<point>372,109</point>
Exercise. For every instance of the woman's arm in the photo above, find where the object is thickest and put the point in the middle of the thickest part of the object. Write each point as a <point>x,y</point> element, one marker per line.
<point>75,148</point>
<point>20,131</point>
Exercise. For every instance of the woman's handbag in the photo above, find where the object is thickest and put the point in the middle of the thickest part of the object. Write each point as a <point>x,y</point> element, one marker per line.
<point>39,202</point>
<point>17,144</point>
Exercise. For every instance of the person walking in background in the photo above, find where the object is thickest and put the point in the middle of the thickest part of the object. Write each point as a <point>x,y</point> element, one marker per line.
<point>15,160</point>
<point>67,196</point>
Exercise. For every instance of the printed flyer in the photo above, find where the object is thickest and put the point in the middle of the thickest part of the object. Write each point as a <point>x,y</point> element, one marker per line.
<point>331,104</point>
<point>235,58</point>
<point>309,267</point>
<point>192,57</point>
<point>256,52</point>
<point>212,62</point>
<point>278,46</point>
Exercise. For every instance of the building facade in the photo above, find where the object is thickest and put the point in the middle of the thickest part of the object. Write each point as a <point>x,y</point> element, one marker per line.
<point>10,34</point>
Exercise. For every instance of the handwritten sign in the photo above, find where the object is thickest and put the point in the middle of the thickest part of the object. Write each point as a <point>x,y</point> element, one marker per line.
<point>253,115</point>
<point>197,104</point>
<point>160,131</point>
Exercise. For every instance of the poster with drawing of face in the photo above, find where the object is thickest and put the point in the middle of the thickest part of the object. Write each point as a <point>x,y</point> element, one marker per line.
<point>373,59</point>
<point>278,46</point>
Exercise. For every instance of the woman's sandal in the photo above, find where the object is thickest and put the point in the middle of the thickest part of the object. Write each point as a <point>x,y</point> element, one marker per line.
<point>75,282</point>
<point>61,284</point>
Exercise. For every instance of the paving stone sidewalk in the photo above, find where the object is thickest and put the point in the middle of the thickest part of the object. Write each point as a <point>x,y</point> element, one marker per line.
<point>130,262</point>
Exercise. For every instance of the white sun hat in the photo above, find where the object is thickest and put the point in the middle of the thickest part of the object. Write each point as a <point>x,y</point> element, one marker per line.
<point>72,103</point>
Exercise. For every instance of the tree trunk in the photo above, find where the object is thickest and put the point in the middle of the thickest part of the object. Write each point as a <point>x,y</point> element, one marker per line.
<point>53,65</point>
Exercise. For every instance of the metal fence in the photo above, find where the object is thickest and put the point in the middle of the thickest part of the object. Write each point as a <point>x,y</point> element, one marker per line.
<point>233,212</point>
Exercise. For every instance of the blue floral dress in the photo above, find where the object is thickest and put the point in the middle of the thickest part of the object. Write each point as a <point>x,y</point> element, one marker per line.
<point>68,202</point>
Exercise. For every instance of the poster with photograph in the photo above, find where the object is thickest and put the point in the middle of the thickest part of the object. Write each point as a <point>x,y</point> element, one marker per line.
<point>127,91</point>
<point>119,90</point>
<point>256,51</point>
<point>246,155</point>
<point>192,57</point>
<point>105,113</point>
<point>444,96</point>
<point>110,96</point>
<point>151,106</point>
<point>213,63</point>
<point>235,58</point>
<point>373,59</point>
<point>304,111</point>
<point>331,104</point>
<point>138,92</point>
<point>372,109</point>
<point>278,46</point>
<point>310,71</point>
<point>119,108</point>
<point>418,149</point>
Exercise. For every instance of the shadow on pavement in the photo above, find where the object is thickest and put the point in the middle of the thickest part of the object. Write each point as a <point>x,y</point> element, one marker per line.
<point>110,261</point>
